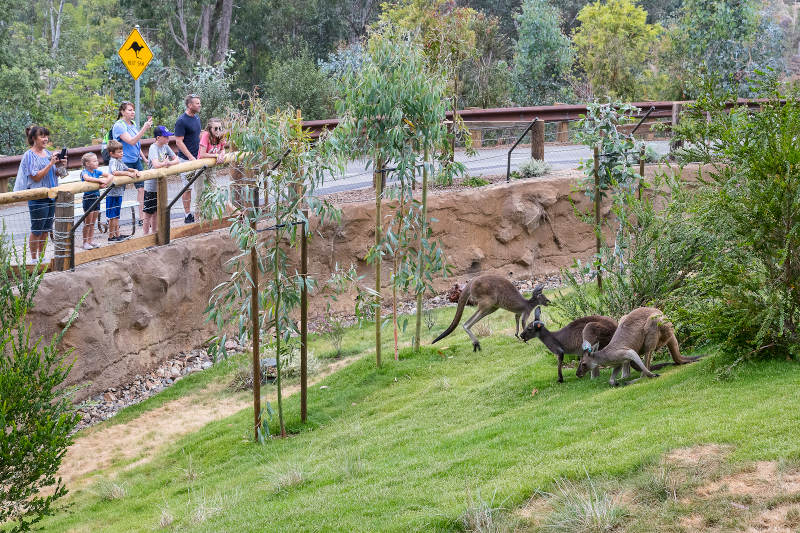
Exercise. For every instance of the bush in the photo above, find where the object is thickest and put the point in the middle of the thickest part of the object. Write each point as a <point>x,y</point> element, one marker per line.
<point>475,181</point>
<point>662,250</point>
<point>298,82</point>
<point>532,169</point>
<point>746,297</point>
<point>36,413</point>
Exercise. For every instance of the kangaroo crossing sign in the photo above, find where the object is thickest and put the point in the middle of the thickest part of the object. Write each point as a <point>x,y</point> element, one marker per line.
<point>135,54</point>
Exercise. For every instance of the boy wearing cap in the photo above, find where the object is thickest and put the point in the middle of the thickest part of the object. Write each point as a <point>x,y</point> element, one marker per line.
<point>160,156</point>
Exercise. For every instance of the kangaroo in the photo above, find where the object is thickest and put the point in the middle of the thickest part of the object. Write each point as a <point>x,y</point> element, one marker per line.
<point>642,331</point>
<point>490,293</point>
<point>594,329</point>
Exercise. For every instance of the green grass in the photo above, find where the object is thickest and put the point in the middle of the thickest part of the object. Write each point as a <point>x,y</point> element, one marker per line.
<point>408,446</point>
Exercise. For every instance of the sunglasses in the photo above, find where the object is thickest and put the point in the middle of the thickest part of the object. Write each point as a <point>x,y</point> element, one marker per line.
<point>216,128</point>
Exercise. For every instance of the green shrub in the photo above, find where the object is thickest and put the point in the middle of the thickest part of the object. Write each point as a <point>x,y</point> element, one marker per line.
<point>662,250</point>
<point>36,415</point>
<point>475,181</point>
<point>532,169</point>
<point>746,297</point>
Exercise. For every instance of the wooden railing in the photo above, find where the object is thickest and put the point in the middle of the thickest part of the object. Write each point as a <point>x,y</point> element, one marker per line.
<point>64,196</point>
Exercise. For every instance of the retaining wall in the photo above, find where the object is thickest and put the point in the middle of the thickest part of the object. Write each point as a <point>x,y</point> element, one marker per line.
<point>145,306</point>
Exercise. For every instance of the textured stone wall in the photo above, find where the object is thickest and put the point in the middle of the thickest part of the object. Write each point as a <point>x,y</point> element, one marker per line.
<point>145,306</point>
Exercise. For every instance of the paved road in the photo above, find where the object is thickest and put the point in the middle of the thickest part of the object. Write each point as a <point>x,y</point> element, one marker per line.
<point>486,161</point>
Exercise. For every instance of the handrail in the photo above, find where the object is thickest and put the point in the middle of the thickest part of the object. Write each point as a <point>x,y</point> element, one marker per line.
<point>85,186</point>
<point>524,133</point>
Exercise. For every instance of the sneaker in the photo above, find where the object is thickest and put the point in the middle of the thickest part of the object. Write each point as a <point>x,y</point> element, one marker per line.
<point>94,245</point>
<point>87,246</point>
<point>189,219</point>
<point>113,239</point>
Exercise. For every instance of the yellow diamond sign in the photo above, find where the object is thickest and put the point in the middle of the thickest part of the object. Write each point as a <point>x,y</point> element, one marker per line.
<point>135,54</point>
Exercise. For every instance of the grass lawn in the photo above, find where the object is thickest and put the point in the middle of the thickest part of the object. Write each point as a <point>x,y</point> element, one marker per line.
<point>415,444</point>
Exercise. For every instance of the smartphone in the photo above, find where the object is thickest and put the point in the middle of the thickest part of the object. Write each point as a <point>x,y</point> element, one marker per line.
<point>63,154</point>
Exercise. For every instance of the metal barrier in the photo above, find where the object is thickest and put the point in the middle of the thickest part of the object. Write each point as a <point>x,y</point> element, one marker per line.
<point>80,221</point>
<point>166,220</point>
<point>524,133</point>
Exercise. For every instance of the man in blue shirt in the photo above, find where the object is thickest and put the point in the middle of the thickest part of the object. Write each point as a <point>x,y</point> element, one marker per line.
<point>187,139</point>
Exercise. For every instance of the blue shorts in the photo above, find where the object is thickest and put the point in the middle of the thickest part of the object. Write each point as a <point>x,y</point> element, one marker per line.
<point>88,201</point>
<point>138,165</point>
<point>42,212</point>
<point>113,205</point>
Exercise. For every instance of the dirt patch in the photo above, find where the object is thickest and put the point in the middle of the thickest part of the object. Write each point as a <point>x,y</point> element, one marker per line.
<point>536,508</point>
<point>693,456</point>
<point>693,523</point>
<point>782,519</point>
<point>763,480</point>
<point>140,439</point>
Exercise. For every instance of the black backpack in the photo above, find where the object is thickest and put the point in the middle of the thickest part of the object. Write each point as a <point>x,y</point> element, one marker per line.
<point>104,150</point>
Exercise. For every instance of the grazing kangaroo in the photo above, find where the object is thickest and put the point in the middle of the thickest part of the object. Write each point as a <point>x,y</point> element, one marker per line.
<point>642,331</point>
<point>490,293</point>
<point>594,329</point>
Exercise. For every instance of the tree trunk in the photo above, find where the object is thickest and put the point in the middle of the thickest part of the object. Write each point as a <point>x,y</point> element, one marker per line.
<point>205,35</point>
<point>223,29</point>
<point>418,333</point>
<point>55,26</point>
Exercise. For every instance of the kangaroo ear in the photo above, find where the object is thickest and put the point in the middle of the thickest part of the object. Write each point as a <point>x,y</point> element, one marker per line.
<point>595,347</point>
<point>538,289</point>
<point>537,313</point>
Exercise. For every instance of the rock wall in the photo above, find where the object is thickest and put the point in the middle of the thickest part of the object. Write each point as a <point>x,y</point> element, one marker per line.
<point>143,307</point>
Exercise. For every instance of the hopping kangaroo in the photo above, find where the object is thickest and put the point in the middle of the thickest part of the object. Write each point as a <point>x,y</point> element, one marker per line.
<point>490,293</point>
<point>594,329</point>
<point>642,331</point>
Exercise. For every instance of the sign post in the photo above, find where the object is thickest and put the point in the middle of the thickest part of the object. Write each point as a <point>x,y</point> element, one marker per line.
<point>135,55</point>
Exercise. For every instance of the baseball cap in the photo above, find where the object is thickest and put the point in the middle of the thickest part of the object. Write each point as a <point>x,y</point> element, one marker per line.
<point>162,131</point>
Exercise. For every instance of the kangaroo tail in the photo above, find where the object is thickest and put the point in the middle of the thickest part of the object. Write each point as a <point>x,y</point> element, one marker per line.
<point>675,352</point>
<point>462,302</point>
<point>685,360</point>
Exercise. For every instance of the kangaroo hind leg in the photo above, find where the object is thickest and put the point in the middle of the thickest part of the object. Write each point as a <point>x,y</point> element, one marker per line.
<point>651,333</point>
<point>479,314</point>
<point>636,362</point>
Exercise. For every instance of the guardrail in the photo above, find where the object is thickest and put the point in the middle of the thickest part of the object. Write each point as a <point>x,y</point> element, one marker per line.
<point>497,117</point>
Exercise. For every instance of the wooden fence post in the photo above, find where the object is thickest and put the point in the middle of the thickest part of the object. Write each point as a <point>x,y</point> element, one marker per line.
<point>677,107</point>
<point>597,227</point>
<point>64,218</point>
<point>162,213</point>
<point>477,138</point>
<point>537,140</point>
<point>562,135</point>
<point>3,185</point>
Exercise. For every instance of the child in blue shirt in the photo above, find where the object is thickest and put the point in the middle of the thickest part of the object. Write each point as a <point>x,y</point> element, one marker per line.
<point>114,198</point>
<point>91,173</point>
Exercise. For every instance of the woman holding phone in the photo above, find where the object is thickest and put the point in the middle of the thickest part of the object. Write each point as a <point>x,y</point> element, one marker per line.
<point>126,132</point>
<point>37,170</point>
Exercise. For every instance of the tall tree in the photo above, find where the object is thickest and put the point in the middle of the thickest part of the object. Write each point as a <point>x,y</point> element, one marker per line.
<point>613,42</point>
<point>729,38</point>
<point>543,55</point>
